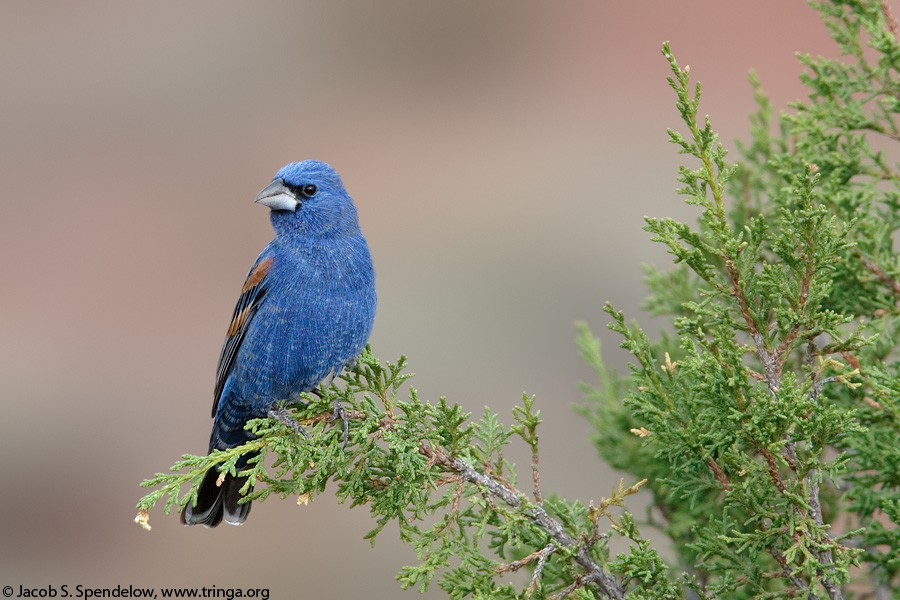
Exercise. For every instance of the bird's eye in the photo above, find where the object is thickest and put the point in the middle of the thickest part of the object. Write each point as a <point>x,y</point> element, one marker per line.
<point>309,190</point>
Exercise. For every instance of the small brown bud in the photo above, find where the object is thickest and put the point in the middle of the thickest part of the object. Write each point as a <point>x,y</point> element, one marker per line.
<point>143,519</point>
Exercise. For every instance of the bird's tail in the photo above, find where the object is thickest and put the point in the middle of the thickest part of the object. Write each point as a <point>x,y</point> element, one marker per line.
<point>216,501</point>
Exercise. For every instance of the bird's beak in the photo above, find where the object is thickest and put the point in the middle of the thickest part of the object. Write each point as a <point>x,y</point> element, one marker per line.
<point>278,197</point>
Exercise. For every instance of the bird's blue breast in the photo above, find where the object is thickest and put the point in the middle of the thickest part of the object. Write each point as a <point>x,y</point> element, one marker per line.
<point>316,316</point>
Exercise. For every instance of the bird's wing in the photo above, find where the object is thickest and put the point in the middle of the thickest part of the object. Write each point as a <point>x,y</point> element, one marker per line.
<point>252,294</point>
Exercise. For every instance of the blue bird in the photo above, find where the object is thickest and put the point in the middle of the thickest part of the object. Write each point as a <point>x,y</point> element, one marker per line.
<point>305,311</point>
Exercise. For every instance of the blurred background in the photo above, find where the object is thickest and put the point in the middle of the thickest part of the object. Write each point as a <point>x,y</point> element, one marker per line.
<point>502,156</point>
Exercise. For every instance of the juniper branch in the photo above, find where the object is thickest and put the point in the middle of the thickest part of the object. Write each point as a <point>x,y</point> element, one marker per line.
<point>594,573</point>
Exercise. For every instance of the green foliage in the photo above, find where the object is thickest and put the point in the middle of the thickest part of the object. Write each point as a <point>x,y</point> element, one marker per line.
<point>767,424</point>
<point>443,480</point>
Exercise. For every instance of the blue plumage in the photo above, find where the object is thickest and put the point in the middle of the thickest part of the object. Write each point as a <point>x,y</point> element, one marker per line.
<point>306,310</point>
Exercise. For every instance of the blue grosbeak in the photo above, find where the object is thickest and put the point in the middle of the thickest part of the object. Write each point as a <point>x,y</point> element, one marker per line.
<point>305,311</point>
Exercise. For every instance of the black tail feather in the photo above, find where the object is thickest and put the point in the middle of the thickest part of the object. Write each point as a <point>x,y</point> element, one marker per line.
<point>217,502</point>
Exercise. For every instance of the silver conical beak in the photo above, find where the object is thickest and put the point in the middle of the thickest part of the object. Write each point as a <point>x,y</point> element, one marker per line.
<point>278,197</point>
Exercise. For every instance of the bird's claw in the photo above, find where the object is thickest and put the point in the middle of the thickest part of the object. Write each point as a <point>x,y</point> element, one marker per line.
<point>340,413</point>
<point>276,411</point>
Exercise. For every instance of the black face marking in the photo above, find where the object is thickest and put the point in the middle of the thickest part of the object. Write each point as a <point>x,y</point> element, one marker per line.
<point>303,190</point>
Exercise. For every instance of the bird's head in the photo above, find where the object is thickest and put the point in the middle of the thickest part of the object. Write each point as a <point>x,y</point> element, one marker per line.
<point>308,197</point>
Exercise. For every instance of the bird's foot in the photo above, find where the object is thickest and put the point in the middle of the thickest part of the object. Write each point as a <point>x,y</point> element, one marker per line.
<point>340,413</point>
<point>277,411</point>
